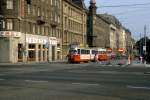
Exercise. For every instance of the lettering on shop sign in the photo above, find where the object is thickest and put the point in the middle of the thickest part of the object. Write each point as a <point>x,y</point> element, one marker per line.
<point>41,40</point>
<point>9,34</point>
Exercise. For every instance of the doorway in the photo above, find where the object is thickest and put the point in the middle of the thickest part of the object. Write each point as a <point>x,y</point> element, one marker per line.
<point>20,52</point>
<point>53,53</point>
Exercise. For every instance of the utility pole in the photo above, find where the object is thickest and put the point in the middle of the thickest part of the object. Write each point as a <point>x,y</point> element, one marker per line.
<point>145,38</point>
<point>141,45</point>
<point>144,48</point>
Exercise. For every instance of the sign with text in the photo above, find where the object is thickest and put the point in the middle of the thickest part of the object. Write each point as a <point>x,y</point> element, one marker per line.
<point>10,34</point>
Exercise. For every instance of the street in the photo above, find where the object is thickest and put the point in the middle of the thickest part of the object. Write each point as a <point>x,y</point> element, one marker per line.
<point>89,81</point>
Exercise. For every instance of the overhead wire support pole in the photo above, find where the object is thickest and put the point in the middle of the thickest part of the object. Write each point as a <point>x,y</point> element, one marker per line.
<point>145,43</point>
<point>145,37</point>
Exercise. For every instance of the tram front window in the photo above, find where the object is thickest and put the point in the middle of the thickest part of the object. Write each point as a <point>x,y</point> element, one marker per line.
<point>72,52</point>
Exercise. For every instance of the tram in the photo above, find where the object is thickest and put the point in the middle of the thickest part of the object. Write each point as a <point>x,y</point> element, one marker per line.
<point>77,55</point>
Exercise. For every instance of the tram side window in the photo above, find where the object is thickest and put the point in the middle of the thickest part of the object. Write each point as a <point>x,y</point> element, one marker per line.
<point>78,51</point>
<point>88,51</point>
<point>85,51</point>
<point>82,51</point>
<point>94,52</point>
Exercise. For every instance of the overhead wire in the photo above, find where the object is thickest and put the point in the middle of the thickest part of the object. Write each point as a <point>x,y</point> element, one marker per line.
<point>125,5</point>
<point>131,11</point>
<point>137,7</point>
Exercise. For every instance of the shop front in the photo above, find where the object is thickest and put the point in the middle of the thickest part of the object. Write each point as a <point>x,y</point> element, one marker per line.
<point>19,47</point>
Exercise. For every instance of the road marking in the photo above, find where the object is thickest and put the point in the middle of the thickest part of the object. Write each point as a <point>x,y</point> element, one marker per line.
<point>35,81</point>
<point>147,73</point>
<point>86,84</point>
<point>138,87</point>
<point>1,79</point>
<point>2,74</point>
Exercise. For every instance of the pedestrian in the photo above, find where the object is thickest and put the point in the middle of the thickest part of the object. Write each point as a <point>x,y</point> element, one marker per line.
<point>129,59</point>
<point>141,59</point>
<point>96,57</point>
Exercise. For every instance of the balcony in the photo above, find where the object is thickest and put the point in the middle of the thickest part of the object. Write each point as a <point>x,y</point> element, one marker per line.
<point>40,20</point>
<point>92,36</point>
<point>54,24</point>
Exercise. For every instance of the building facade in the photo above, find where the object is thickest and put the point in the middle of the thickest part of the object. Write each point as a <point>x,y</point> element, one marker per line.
<point>97,28</point>
<point>129,42</point>
<point>74,24</point>
<point>30,30</point>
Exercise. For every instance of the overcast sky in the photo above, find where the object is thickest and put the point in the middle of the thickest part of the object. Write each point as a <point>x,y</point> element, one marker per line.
<point>133,16</point>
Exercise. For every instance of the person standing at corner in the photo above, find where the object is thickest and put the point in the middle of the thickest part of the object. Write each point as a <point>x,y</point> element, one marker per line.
<point>96,57</point>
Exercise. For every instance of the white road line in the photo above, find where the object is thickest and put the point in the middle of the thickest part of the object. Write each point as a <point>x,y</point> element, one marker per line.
<point>86,84</point>
<point>138,87</point>
<point>35,81</point>
<point>1,79</point>
<point>2,74</point>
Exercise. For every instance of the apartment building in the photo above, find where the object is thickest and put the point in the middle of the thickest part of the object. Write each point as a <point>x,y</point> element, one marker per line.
<point>30,30</point>
<point>74,24</point>
<point>97,28</point>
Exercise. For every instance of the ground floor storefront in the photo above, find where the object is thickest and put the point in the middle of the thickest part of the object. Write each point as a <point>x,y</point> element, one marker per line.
<point>19,47</point>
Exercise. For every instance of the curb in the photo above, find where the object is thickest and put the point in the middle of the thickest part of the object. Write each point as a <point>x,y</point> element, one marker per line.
<point>32,63</point>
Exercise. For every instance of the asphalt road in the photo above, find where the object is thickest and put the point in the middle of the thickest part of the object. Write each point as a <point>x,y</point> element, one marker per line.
<point>91,81</point>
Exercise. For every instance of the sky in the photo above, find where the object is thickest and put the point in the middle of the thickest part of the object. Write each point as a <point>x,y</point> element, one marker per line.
<point>134,16</point>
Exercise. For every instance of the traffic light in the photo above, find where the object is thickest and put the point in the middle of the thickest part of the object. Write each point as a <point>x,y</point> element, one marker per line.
<point>28,2</point>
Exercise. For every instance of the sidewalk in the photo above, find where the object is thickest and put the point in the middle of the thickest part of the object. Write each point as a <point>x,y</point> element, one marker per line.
<point>140,65</point>
<point>34,63</point>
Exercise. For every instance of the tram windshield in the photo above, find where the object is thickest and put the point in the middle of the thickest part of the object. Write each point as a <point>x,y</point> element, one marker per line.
<point>72,52</point>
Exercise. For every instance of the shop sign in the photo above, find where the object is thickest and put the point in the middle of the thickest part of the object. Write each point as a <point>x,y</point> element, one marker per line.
<point>36,40</point>
<point>10,34</point>
<point>53,40</point>
<point>42,40</point>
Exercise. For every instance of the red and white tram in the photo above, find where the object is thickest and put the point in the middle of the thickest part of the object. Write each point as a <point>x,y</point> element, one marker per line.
<point>77,55</point>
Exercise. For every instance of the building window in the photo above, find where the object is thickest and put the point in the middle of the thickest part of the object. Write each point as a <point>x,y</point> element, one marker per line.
<point>46,30</point>
<point>9,24</point>
<point>29,9</point>
<point>33,28</point>
<point>38,30</point>
<point>46,14</point>
<point>34,10</point>
<point>2,24</point>
<point>58,19</point>
<point>38,12</point>
<point>51,2</point>
<point>42,28</point>
<point>9,4</point>
<point>55,17</point>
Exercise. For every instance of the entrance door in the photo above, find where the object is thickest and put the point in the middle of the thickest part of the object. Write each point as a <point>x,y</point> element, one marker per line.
<point>53,53</point>
<point>31,52</point>
<point>20,52</point>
